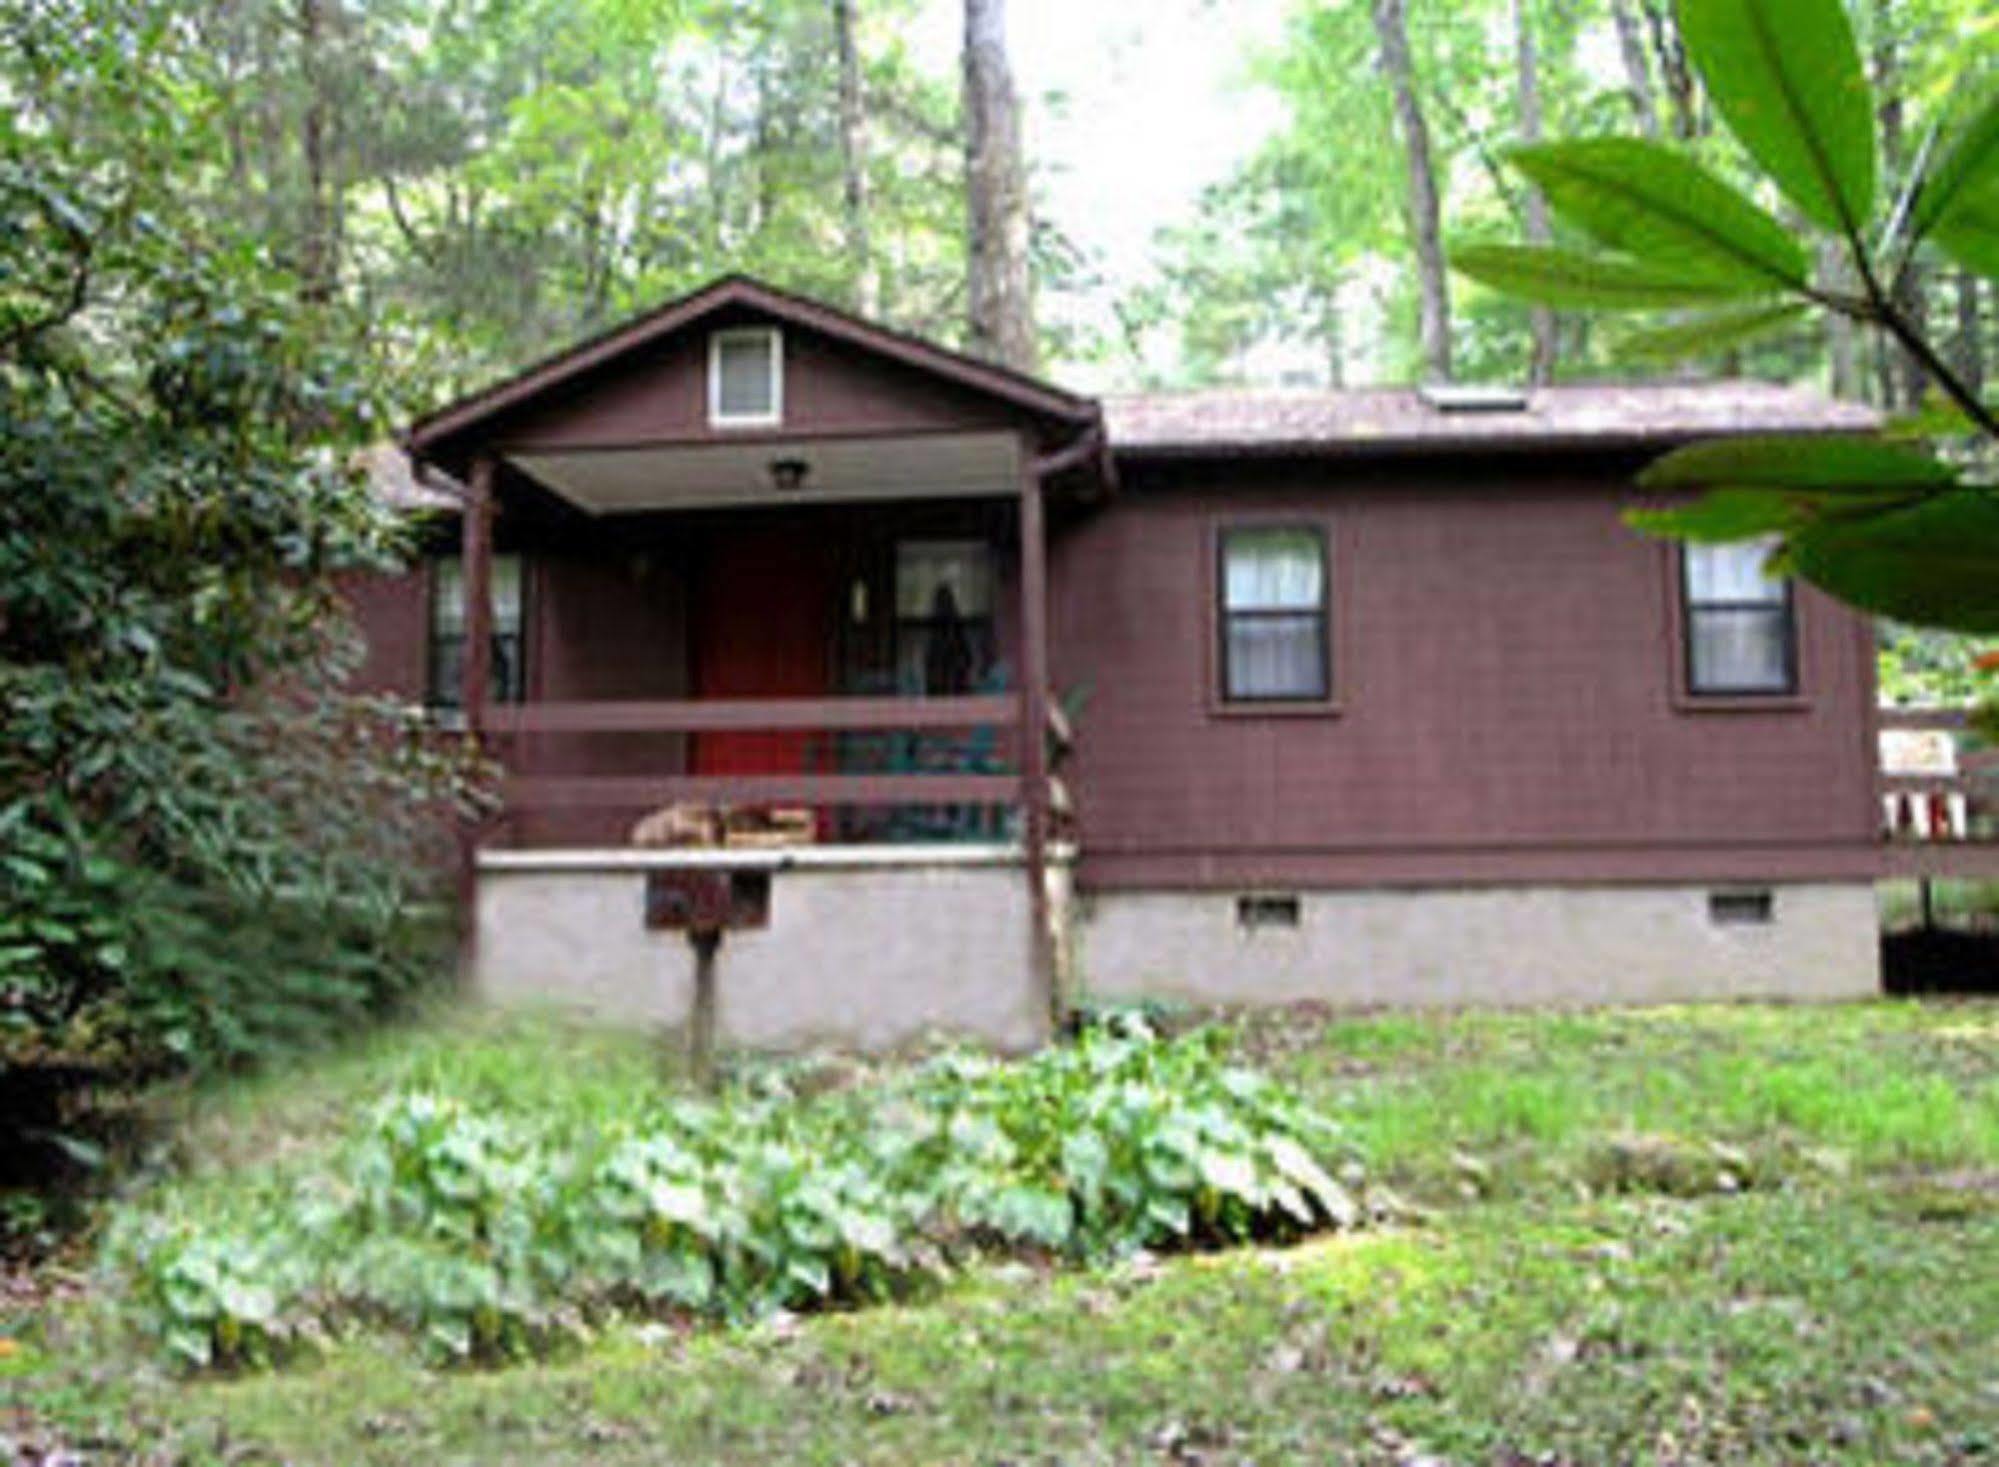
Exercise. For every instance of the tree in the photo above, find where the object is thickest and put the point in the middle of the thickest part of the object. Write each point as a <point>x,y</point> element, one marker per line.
<point>1889,526</point>
<point>1541,363</point>
<point>1310,239</point>
<point>999,288</point>
<point>1425,229</point>
<point>854,159</point>
<point>1637,65</point>
<point>207,848</point>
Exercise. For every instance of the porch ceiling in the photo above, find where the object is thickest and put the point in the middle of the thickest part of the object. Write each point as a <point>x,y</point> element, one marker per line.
<point>603,481</point>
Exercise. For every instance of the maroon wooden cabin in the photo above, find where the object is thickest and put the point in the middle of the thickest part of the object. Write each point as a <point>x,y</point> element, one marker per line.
<point>1355,696</point>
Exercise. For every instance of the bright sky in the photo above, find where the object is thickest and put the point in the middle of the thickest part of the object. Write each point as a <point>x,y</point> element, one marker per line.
<point>1131,107</point>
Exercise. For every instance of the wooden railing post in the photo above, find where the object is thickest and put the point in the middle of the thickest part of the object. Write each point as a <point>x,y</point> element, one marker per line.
<point>475,677</point>
<point>1034,722</point>
<point>476,568</point>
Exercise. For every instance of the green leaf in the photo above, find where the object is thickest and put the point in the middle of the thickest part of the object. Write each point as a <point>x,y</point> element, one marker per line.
<point>1709,333</point>
<point>1969,233</point>
<point>1969,164</point>
<point>1931,564</point>
<point>1648,201</point>
<point>1786,77</point>
<point>1721,515</point>
<point>1554,276</point>
<point>1791,461</point>
<point>1938,417</point>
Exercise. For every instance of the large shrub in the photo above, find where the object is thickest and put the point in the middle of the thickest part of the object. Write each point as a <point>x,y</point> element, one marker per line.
<point>486,1237</point>
<point>206,848</point>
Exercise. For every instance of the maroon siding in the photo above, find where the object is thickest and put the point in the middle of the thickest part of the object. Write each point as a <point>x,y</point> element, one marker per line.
<point>391,613</point>
<point>1506,702</point>
<point>829,389</point>
<point>1505,691</point>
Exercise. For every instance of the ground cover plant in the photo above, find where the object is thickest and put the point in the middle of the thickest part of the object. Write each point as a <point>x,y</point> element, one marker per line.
<point>1743,1234</point>
<point>486,1235</point>
<point>1778,1328</point>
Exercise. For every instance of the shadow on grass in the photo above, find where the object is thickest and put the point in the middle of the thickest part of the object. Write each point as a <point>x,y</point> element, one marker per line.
<point>1940,960</point>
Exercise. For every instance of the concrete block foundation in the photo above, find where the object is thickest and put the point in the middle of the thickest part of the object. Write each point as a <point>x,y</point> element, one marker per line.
<point>874,948</point>
<point>866,948</point>
<point>1525,945</point>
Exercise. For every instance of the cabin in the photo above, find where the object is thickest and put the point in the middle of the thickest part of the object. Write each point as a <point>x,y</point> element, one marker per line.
<point>848,688</point>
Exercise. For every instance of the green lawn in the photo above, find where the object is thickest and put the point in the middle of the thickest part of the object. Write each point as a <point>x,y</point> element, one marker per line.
<point>1746,1234</point>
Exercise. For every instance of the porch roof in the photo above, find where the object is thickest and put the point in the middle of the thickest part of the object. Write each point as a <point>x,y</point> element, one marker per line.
<point>621,422</point>
<point>830,471</point>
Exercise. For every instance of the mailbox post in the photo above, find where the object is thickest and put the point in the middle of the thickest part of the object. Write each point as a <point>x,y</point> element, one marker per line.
<point>706,903</point>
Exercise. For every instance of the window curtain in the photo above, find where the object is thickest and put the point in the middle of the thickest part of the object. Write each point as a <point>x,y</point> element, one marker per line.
<point>1274,598</point>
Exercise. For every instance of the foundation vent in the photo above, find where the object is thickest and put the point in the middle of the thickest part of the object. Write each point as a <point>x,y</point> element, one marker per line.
<point>1750,908</point>
<point>1257,910</point>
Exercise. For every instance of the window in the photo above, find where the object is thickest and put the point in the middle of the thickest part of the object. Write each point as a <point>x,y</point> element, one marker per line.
<point>944,639</point>
<point>1740,636</point>
<point>746,377</point>
<point>447,631</point>
<point>1275,645</point>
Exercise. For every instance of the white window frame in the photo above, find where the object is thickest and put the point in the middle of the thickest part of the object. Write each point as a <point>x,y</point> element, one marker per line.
<point>716,341</point>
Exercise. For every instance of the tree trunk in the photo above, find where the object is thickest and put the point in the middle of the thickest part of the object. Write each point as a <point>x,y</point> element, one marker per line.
<point>999,289</point>
<point>1433,297</point>
<point>1332,328</point>
<point>1637,65</point>
<point>1541,363</point>
<point>854,161</point>
<point>316,264</point>
<point>1969,347</point>
<point>1903,380</point>
<point>1664,31</point>
<point>1842,337</point>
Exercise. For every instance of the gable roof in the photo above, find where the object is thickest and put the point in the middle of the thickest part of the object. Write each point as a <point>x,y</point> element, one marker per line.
<point>1027,393</point>
<point>1320,423</point>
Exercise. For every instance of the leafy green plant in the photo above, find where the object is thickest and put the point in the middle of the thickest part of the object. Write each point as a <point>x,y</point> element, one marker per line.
<point>209,851</point>
<point>1891,527</point>
<point>485,1238</point>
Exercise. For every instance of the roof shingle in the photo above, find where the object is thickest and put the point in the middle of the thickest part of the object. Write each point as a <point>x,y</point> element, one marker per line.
<point>1376,420</point>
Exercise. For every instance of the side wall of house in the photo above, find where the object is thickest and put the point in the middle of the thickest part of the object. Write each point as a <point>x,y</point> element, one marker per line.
<point>1507,718</point>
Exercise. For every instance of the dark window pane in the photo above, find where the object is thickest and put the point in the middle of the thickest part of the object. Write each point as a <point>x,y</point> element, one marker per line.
<point>1276,656</point>
<point>447,669</point>
<point>446,672</point>
<point>1739,649</point>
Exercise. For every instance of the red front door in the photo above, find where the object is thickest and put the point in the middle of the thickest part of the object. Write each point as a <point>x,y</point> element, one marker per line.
<point>763,605</point>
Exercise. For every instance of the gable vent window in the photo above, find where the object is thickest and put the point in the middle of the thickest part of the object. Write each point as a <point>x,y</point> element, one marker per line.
<point>746,378</point>
<point>1756,908</point>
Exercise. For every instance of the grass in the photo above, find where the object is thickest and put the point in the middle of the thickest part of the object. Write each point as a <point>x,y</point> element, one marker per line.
<point>1877,1086</point>
<point>1842,1307</point>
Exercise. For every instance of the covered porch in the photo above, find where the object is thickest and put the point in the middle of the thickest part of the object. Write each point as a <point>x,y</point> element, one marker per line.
<point>826,628</point>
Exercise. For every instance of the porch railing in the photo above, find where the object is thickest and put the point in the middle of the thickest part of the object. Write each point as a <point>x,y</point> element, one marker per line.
<point>527,792</point>
<point>1939,795</point>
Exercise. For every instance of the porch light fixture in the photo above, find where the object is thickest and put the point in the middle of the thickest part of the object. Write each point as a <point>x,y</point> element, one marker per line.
<point>788,474</point>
